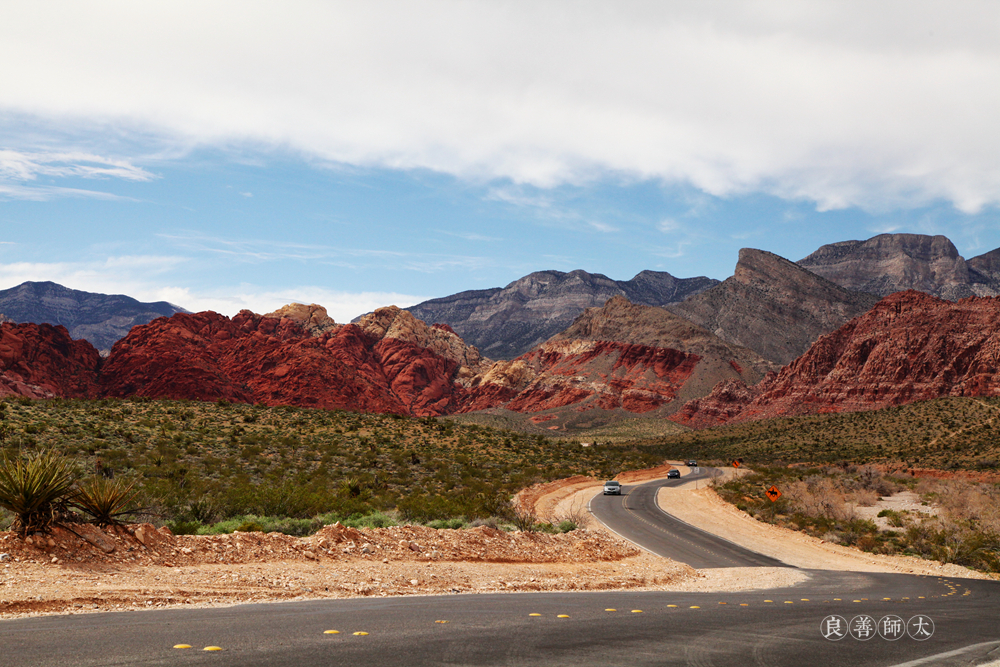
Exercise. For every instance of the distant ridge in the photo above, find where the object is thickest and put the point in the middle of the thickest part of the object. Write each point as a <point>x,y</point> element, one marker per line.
<point>101,319</point>
<point>890,263</point>
<point>773,306</point>
<point>507,322</point>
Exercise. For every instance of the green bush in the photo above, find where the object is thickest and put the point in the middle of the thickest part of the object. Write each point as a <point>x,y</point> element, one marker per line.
<point>107,501</point>
<point>36,489</point>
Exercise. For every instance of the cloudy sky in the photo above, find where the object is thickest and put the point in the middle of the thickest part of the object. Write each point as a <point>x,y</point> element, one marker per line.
<point>231,155</point>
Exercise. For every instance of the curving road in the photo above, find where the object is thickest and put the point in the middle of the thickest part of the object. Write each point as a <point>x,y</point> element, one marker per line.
<point>777,627</point>
<point>635,516</point>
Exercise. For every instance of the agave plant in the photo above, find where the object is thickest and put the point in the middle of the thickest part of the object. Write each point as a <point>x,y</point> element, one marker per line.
<point>107,501</point>
<point>35,489</point>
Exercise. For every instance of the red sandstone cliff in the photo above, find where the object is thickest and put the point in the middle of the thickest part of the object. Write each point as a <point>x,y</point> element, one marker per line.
<point>42,361</point>
<point>911,346</point>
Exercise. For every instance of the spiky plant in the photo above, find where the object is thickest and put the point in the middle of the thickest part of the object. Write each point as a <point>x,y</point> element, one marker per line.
<point>35,489</point>
<point>107,501</point>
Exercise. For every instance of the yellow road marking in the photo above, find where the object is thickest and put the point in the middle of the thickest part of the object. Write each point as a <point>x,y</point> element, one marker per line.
<point>563,616</point>
<point>212,648</point>
<point>534,614</point>
<point>440,621</point>
<point>744,604</point>
<point>360,634</point>
<point>637,611</point>
<point>610,610</point>
<point>696,607</point>
<point>182,646</point>
<point>671,605</point>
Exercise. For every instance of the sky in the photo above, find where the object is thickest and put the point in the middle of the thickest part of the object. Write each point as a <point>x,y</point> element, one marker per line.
<point>231,155</point>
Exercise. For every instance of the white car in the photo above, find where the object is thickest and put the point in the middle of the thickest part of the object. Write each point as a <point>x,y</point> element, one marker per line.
<point>612,488</point>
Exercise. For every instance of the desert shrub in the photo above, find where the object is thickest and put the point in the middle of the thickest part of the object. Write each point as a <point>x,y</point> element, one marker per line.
<point>250,527</point>
<point>566,526</point>
<point>181,527</point>
<point>36,490</point>
<point>865,497</point>
<point>371,520</point>
<point>107,501</point>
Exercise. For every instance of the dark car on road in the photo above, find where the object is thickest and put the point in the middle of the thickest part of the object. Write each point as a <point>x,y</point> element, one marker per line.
<point>671,474</point>
<point>691,463</point>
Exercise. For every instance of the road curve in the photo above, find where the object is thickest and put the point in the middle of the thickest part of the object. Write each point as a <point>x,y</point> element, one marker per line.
<point>635,516</point>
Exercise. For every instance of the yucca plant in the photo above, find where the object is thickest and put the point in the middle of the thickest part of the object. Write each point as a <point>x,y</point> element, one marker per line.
<point>35,489</point>
<point>107,501</point>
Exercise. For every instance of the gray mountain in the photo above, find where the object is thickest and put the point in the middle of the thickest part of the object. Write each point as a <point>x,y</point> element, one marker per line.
<point>890,263</point>
<point>507,322</point>
<point>102,319</point>
<point>773,306</point>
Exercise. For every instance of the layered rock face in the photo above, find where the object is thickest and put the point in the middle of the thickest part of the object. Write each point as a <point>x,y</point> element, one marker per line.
<point>42,361</point>
<point>773,307</point>
<point>101,319</point>
<point>623,355</point>
<point>382,364</point>
<point>504,323</point>
<point>910,347</point>
<point>890,263</point>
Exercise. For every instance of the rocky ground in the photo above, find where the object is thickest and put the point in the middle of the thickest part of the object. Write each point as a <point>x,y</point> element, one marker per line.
<point>85,569</point>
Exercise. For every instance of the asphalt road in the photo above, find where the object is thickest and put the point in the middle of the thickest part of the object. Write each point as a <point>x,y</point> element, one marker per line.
<point>635,516</point>
<point>778,627</point>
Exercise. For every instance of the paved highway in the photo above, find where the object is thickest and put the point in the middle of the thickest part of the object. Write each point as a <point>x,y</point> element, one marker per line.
<point>635,516</point>
<point>777,627</point>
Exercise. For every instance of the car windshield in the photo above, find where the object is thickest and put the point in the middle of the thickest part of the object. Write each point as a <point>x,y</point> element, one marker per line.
<point>610,484</point>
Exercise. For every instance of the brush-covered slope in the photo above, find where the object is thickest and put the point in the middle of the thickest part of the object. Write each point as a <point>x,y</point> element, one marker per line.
<point>911,346</point>
<point>504,323</point>
<point>773,307</point>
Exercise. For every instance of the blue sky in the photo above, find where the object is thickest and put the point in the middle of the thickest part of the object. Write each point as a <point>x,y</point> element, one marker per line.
<point>355,155</point>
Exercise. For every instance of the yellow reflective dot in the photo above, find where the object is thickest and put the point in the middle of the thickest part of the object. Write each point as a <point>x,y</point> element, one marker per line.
<point>563,616</point>
<point>610,610</point>
<point>744,604</point>
<point>836,599</point>
<point>768,600</point>
<point>789,602</point>
<point>331,632</point>
<point>696,607</point>
<point>637,611</point>
<point>360,634</point>
<point>440,621</point>
<point>212,648</point>
<point>886,598</point>
<point>671,605</point>
<point>182,646</point>
<point>534,614</point>
<point>857,600</point>
<point>805,599</point>
<point>723,603</point>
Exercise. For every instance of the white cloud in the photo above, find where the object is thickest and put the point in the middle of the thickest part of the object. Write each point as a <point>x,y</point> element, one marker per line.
<point>871,104</point>
<point>19,169</point>
<point>668,225</point>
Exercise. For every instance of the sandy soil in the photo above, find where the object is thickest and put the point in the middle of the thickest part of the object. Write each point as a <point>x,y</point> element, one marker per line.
<point>140,567</point>
<point>706,510</point>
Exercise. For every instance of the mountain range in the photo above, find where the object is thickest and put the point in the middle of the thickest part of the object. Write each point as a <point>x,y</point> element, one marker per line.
<point>776,338</point>
<point>101,319</point>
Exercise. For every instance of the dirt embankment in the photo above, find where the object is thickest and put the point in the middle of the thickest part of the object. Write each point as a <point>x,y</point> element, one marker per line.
<point>141,567</point>
<point>706,510</point>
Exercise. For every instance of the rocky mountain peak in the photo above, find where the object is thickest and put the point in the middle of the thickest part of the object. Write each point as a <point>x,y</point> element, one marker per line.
<point>773,306</point>
<point>890,263</point>
<point>313,318</point>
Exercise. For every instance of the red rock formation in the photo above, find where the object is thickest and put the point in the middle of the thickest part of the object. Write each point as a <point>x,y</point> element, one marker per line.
<point>909,347</point>
<point>42,361</point>
<point>372,366</point>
